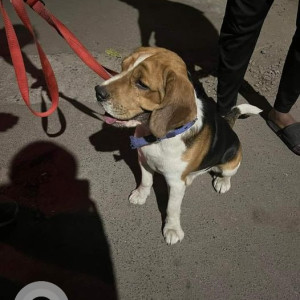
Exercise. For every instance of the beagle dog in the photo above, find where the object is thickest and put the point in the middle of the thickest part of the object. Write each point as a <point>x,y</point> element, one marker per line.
<point>176,133</point>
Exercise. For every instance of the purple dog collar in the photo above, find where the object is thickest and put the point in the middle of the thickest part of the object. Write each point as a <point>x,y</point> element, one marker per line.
<point>138,142</point>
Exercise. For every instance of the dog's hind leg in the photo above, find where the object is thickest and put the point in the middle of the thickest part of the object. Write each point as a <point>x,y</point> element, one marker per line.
<point>224,172</point>
<point>139,195</point>
<point>222,179</point>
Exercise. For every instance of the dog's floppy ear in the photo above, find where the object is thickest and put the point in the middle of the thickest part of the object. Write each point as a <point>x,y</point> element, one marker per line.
<point>177,108</point>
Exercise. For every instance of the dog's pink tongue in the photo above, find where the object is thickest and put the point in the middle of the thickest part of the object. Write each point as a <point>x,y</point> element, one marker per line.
<point>109,120</point>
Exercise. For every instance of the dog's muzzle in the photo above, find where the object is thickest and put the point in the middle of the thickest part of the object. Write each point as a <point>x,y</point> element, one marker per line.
<point>101,93</point>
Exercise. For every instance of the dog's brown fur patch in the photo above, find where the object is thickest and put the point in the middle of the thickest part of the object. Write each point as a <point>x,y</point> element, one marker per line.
<point>198,147</point>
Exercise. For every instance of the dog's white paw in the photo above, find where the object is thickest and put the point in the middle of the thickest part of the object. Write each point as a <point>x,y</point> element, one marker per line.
<point>173,234</point>
<point>139,196</point>
<point>222,184</point>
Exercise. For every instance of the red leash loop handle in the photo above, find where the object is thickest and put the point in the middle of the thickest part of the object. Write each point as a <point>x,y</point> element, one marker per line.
<point>17,58</point>
<point>18,63</point>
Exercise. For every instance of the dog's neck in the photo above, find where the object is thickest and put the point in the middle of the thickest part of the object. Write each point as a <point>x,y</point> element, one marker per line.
<point>143,135</point>
<point>138,142</point>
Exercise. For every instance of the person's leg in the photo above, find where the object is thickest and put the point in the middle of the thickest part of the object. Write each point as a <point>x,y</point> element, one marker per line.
<point>289,87</point>
<point>279,118</point>
<point>239,33</point>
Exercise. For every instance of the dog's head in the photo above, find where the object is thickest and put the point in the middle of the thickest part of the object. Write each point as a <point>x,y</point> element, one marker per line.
<point>153,88</point>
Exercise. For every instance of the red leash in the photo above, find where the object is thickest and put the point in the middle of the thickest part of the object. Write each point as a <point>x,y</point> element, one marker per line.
<point>17,58</point>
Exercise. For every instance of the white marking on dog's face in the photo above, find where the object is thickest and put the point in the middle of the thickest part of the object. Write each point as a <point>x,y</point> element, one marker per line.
<point>123,73</point>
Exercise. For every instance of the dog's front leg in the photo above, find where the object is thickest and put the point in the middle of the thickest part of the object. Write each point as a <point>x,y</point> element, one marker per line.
<point>172,229</point>
<point>140,195</point>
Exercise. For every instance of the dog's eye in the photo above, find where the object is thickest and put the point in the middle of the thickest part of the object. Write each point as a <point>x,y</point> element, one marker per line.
<point>141,85</point>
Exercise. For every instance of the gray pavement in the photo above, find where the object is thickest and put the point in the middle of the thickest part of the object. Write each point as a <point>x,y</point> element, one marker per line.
<point>72,175</point>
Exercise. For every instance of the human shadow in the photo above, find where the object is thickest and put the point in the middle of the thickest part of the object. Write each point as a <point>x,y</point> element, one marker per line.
<point>36,73</point>
<point>180,28</point>
<point>58,236</point>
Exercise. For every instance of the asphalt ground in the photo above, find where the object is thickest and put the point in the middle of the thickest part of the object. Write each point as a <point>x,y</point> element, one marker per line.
<point>72,175</point>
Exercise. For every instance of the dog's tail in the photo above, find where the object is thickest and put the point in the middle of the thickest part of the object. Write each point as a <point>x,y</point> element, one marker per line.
<point>241,110</point>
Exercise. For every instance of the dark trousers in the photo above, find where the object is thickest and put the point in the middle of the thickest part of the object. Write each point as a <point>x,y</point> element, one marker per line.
<point>240,30</point>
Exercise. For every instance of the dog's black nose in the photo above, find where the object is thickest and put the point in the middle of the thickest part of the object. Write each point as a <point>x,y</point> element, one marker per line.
<point>101,93</point>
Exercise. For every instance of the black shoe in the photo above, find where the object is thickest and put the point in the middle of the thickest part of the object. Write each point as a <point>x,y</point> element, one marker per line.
<point>8,212</point>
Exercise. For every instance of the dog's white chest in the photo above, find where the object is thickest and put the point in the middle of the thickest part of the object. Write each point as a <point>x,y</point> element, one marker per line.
<point>164,156</point>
